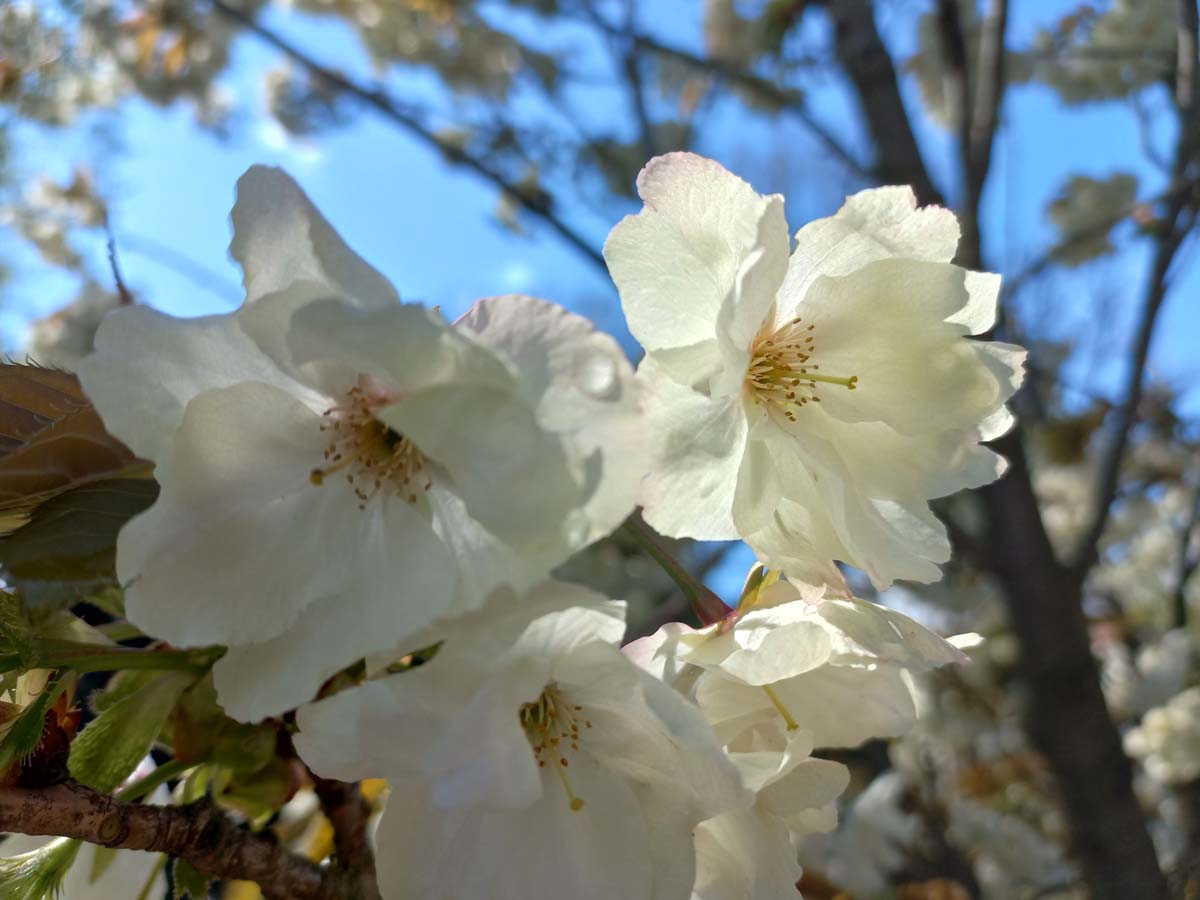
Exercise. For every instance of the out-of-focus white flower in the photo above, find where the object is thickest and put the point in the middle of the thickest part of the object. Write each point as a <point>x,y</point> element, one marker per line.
<point>1168,739</point>
<point>528,758</point>
<point>338,470</point>
<point>811,405</point>
<point>748,854</point>
<point>835,667</point>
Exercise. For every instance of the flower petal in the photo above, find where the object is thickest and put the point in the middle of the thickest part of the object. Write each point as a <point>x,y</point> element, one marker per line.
<point>878,223</point>
<point>547,850</point>
<point>702,231</point>
<point>148,365</point>
<point>699,446</point>
<point>886,324</point>
<point>581,388</point>
<point>279,237</point>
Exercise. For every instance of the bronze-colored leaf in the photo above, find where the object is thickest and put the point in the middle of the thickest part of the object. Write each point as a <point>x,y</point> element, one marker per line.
<point>73,536</point>
<point>51,441</point>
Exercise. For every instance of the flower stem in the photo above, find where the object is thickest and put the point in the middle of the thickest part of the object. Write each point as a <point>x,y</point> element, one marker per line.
<point>50,653</point>
<point>707,606</point>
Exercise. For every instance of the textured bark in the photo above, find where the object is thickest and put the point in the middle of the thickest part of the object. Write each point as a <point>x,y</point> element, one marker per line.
<point>199,833</point>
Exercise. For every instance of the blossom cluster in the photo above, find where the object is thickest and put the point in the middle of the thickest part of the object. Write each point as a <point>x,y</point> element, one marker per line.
<point>353,485</point>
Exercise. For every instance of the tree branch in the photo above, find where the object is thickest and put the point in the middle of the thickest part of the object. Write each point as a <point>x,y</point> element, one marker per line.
<point>1083,749</point>
<point>1176,222</point>
<point>863,55</point>
<point>198,833</point>
<point>788,100</point>
<point>348,811</point>
<point>1185,567</point>
<point>538,203</point>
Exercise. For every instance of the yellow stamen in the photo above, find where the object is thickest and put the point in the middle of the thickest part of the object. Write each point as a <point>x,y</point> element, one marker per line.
<point>783,711</point>
<point>781,373</point>
<point>552,727</point>
<point>371,454</point>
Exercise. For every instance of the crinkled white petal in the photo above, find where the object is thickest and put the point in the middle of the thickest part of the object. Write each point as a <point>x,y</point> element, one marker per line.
<point>582,389</point>
<point>279,237</point>
<point>147,366</point>
<point>229,551</point>
<point>703,234</point>
<point>878,223</point>
<point>745,855</point>
<point>841,706</point>
<point>407,347</point>
<point>545,850</point>
<point>886,324</point>
<point>699,443</point>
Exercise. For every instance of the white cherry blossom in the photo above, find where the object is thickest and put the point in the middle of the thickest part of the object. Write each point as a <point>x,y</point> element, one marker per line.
<point>338,470</point>
<point>528,758</point>
<point>835,667</point>
<point>748,854</point>
<point>810,400</point>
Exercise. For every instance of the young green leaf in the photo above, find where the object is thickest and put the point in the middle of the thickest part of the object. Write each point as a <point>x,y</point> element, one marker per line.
<point>111,747</point>
<point>38,874</point>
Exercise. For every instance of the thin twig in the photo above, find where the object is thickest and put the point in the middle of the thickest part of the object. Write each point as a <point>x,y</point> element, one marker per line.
<point>786,99</point>
<point>115,266</point>
<point>536,202</point>
<point>707,606</point>
<point>170,258</point>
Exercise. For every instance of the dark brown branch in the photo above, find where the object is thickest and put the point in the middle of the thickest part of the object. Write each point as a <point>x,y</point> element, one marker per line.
<point>199,833</point>
<point>1176,222</point>
<point>348,811</point>
<point>536,202</point>
<point>863,55</point>
<point>980,119</point>
<point>1065,712</point>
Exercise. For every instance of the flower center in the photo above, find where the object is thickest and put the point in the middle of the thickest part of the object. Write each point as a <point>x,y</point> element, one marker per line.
<point>371,455</point>
<point>781,372</point>
<point>552,726</point>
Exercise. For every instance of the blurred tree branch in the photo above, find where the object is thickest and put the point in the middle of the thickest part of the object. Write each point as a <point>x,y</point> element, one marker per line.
<point>1044,597</point>
<point>1177,221</point>
<point>866,60</point>
<point>537,202</point>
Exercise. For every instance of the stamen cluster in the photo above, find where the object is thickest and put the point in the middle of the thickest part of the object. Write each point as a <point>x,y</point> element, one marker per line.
<point>552,726</point>
<point>781,372</point>
<point>371,454</point>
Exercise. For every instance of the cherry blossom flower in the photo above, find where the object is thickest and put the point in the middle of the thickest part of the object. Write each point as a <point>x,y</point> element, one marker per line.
<point>748,854</point>
<point>531,748</point>
<point>798,660</point>
<point>339,469</point>
<point>810,401</point>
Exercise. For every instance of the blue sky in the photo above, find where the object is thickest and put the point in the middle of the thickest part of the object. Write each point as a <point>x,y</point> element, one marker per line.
<point>430,229</point>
